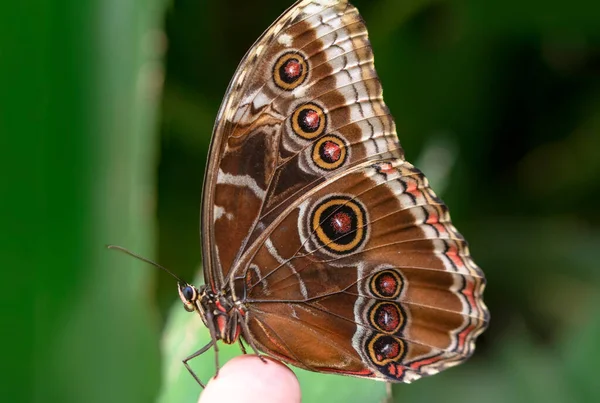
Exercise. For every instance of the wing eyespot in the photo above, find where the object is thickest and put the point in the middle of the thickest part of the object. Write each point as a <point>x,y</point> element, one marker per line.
<point>309,121</point>
<point>386,284</point>
<point>387,317</point>
<point>340,224</point>
<point>330,152</point>
<point>290,70</point>
<point>384,349</point>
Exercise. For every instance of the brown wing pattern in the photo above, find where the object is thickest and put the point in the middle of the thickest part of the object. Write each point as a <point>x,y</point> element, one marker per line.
<point>372,263</point>
<point>343,258</point>
<point>304,105</point>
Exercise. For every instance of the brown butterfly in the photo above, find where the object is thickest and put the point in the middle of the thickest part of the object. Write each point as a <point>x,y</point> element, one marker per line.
<point>322,246</point>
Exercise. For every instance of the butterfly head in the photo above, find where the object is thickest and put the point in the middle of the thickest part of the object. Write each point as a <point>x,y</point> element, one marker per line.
<point>214,309</point>
<point>196,299</point>
<point>189,296</point>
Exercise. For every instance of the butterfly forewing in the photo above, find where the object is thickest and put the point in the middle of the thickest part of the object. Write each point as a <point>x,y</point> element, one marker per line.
<point>342,257</point>
<point>308,105</point>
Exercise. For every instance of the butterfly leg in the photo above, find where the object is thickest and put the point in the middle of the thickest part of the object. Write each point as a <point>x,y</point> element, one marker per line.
<point>213,336</point>
<point>389,397</point>
<point>196,354</point>
<point>242,345</point>
<point>249,340</point>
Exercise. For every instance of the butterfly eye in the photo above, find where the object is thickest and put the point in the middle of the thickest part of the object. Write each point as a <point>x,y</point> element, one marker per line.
<point>188,293</point>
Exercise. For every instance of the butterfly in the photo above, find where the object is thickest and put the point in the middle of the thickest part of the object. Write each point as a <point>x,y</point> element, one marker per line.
<point>322,246</point>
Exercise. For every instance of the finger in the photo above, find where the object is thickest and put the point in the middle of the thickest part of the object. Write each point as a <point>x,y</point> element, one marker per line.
<point>248,379</point>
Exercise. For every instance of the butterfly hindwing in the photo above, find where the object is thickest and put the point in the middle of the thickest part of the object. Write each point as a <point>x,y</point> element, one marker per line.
<point>371,263</point>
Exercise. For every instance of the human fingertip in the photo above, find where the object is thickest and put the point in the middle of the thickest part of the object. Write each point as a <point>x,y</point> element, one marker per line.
<point>247,379</point>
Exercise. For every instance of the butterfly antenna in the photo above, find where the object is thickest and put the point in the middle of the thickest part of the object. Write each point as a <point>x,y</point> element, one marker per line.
<point>143,259</point>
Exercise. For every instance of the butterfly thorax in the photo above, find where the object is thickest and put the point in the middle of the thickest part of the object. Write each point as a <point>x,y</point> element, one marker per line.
<point>218,310</point>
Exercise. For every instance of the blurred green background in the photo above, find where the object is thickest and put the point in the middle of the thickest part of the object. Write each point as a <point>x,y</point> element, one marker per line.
<point>106,116</point>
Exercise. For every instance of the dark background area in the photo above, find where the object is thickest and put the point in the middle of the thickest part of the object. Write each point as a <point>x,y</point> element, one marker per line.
<point>109,106</point>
